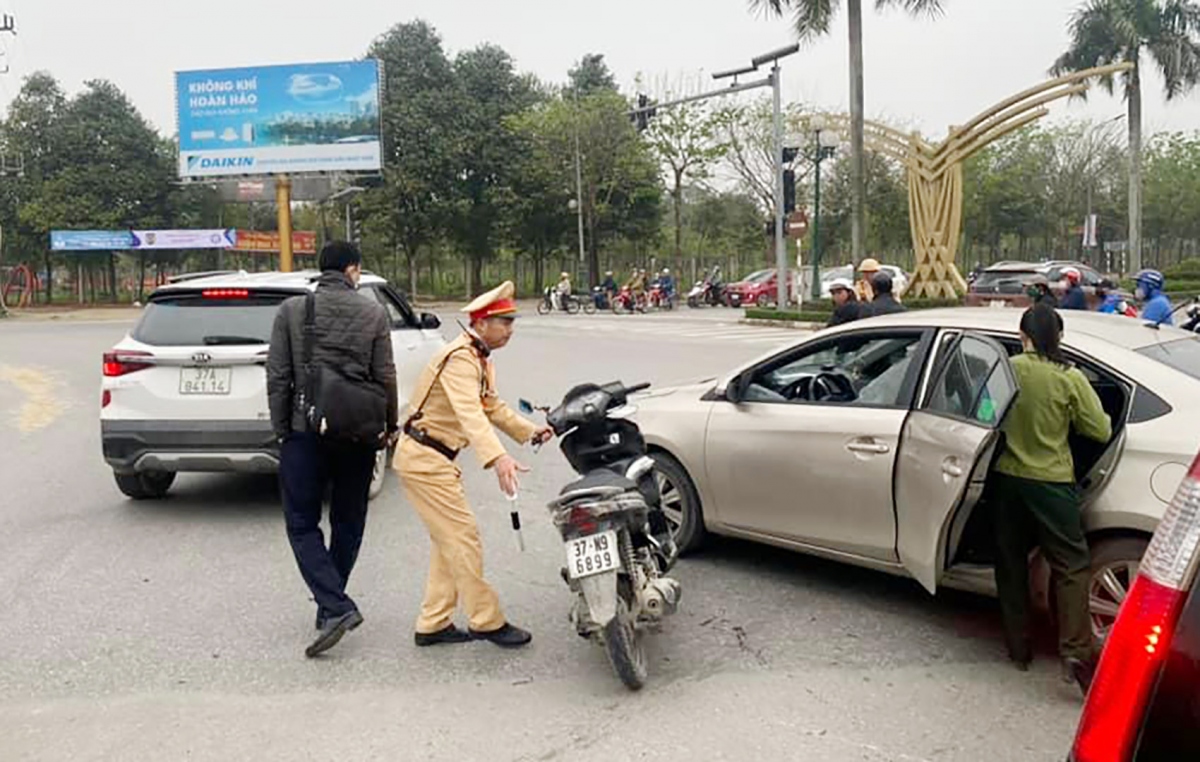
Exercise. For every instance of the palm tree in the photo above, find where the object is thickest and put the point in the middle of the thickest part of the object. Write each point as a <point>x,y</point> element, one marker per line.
<point>1114,31</point>
<point>812,18</point>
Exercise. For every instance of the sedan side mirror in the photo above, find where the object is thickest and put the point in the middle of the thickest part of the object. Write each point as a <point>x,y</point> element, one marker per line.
<point>430,321</point>
<point>735,390</point>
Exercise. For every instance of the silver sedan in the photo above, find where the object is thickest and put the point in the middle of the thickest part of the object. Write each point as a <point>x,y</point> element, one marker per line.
<point>871,444</point>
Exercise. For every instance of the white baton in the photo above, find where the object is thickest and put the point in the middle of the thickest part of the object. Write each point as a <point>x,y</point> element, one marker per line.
<point>515,514</point>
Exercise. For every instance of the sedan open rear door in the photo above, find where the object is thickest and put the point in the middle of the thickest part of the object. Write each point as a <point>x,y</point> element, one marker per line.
<point>946,448</point>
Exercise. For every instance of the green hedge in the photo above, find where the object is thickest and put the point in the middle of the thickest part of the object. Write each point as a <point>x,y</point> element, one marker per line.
<point>818,311</point>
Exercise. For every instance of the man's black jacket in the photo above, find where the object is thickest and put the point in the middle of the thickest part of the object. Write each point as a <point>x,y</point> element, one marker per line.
<point>351,331</point>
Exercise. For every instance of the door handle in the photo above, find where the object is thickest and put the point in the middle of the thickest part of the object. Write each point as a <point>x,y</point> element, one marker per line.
<point>950,468</point>
<point>874,448</point>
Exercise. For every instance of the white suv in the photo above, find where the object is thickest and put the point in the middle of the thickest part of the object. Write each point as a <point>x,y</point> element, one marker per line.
<point>185,390</point>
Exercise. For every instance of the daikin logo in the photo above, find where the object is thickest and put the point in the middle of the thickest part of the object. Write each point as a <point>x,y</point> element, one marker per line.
<point>226,162</point>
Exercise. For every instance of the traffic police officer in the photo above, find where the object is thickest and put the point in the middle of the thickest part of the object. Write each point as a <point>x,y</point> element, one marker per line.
<point>455,405</point>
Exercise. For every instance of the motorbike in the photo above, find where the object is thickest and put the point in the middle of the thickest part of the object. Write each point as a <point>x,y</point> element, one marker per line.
<point>570,303</point>
<point>1193,321</point>
<point>611,523</point>
<point>660,299</point>
<point>600,298</point>
<point>625,301</point>
<point>705,292</point>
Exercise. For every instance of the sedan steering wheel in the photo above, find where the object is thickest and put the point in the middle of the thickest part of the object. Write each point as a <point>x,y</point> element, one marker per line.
<point>831,387</point>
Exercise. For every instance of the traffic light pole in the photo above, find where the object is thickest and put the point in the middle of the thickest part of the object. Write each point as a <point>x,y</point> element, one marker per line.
<point>781,272</point>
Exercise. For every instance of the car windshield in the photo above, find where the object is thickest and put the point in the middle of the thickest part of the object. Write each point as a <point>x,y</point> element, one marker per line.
<point>758,277</point>
<point>189,320</point>
<point>1182,354</point>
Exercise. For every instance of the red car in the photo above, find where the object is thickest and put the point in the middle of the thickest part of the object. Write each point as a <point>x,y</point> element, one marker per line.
<point>1144,703</point>
<point>758,288</point>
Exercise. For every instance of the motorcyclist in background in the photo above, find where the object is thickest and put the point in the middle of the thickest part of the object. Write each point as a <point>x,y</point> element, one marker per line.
<point>1074,298</point>
<point>608,289</point>
<point>1113,303</point>
<point>1038,290</point>
<point>1157,309</point>
<point>667,284</point>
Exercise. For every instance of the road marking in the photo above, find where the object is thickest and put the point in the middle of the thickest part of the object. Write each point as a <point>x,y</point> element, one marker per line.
<point>45,397</point>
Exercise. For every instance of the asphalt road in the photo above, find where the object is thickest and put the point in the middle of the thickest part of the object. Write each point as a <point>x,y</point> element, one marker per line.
<point>175,629</point>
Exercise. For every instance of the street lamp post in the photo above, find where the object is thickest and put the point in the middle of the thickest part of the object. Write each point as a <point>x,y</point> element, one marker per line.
<point>823,148</point>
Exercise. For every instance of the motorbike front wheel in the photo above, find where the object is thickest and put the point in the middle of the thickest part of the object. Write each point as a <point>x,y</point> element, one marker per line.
<point>624,645</point>
<point>693,302</point>
<point>589,307</point>
<point>543,307</point>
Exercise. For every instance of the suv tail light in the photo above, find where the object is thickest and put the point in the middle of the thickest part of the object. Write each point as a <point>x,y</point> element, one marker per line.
<point>118,363</point>
<point>1140,639</point>
<point>225,293</point>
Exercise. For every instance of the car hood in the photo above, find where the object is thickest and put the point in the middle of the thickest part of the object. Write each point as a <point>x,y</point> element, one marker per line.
<point>695,389</point>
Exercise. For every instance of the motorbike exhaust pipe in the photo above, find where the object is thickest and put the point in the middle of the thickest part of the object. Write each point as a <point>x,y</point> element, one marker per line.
<point>661,596</point>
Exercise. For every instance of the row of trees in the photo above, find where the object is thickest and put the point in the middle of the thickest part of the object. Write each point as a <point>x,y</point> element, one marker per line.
<point>483,164</point>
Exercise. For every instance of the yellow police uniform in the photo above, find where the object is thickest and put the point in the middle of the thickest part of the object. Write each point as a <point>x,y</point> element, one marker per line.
<point>458,404</point>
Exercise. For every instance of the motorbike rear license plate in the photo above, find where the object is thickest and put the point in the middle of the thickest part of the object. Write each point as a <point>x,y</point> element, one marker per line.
<point>594,554</point>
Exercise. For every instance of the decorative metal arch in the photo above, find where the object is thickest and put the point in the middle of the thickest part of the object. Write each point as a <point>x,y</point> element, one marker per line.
<point>935,180</point>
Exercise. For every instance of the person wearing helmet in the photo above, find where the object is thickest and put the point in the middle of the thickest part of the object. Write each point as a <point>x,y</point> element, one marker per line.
<point>562,290</point>
<point>1157,309</point>
<point>884,302</point>
<point>867,269</point>
<point>1113,303</point>
<point>1038,291</point>
<point>667,283</point>
<point>1074,299</point>
<point>845,302</point>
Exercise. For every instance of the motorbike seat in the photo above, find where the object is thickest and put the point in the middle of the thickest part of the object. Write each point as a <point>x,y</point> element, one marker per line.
<point>600,478</point>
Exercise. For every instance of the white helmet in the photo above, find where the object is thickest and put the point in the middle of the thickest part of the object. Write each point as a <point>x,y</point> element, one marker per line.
<point>837,283</point>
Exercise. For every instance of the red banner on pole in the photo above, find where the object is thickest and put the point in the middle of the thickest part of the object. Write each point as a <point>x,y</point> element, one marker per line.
<point>267,242</point>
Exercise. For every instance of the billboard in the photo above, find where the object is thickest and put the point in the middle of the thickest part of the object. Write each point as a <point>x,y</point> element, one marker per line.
<point>261,190</point>
<point>303,241</point>
<point>120,240</point>
<point>263,120</point>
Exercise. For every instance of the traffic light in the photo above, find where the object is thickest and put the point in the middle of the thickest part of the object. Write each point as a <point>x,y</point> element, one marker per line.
<point>356,232</point>
<point>641,118</point>
<point>789,191</point>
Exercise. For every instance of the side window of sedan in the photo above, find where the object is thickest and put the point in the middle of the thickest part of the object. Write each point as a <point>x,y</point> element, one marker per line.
<point>873,370</point>
<point>973,383</point>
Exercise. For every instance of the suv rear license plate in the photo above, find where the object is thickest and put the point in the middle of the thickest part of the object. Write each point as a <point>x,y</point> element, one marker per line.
<point>210,381</point>
<point>594,554</point>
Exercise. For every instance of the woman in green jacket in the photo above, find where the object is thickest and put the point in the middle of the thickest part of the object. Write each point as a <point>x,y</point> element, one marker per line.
<point>1037,499</point>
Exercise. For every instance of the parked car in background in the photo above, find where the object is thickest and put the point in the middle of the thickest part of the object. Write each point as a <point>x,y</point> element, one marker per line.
<point>1003,284</point>
<point>1144,703</point>
<point>758,288</point>
<point>185,390</point>
<point>870,444</point>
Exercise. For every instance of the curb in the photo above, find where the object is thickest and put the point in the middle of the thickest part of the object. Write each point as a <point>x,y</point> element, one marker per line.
<point>793,324</point>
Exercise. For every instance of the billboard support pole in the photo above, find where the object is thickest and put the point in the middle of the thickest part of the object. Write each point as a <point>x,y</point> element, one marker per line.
<point>283,199</point>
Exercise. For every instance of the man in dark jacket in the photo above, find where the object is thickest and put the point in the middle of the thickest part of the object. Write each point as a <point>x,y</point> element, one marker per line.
<point>845,301</point>
<point>349,332</point>
<point>884,302</point>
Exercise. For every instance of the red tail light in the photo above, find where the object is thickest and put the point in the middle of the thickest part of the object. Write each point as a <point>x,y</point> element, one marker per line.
<point>118,363</point>
<point>1140,639</point>
<point>105,398</point>
<point>581,518</point>
<point>225,293</point>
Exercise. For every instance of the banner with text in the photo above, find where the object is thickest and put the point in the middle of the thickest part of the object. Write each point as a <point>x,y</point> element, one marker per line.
<point>264,242</point>
<point>321,117</point>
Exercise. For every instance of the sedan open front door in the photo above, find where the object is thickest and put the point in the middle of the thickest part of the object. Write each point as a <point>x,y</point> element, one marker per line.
<point>946,448</point>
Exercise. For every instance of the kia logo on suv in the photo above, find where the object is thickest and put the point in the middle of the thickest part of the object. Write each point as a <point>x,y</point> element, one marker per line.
<point>201,357</point>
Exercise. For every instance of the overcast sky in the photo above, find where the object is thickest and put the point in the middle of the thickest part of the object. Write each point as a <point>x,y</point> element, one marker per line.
<point>927,74</point>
